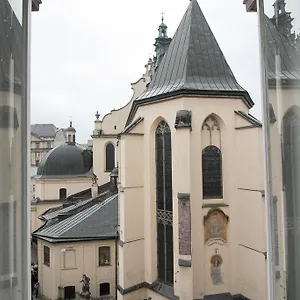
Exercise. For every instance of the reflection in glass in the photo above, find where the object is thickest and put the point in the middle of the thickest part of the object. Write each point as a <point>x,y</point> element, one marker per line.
<point>13,135</point>
<point>283,74</point>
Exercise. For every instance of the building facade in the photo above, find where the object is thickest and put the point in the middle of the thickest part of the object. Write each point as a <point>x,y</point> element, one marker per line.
<point>190,160</point>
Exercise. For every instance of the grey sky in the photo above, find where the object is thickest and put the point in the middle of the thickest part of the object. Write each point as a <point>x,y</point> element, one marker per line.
<point>84,56</point>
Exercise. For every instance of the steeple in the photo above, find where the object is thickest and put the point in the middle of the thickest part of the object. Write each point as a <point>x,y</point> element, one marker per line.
<point>70,132</point>
<point>162,42</point>
<point>283,20</point>
<point>194,63</point>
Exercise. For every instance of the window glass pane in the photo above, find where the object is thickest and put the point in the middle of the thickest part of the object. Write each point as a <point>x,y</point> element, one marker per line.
<point>110,157</point>
<point>14,233</point>
<point>164,203</point>
<point>212,172</point>
<point>104,289</point>
<point>104,256</point>
<point>47,256</point>
<point>282,59</point>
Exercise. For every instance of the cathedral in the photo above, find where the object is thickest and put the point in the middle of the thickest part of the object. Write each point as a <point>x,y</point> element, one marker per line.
<point>188,158</point>
<point>190,174</point>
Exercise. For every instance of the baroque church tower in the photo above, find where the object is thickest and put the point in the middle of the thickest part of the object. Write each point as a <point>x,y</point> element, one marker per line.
<point>191,178</point>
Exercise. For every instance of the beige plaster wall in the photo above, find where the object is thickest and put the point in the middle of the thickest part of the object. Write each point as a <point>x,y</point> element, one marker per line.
<point>114,122</point>
<point>86,262</point>
<point>99,157</point>
<point>131,208</point>
<point>48,189</point>
<point>237,148</point>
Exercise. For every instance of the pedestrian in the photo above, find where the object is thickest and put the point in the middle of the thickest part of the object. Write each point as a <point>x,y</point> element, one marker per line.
<point>36,289</point>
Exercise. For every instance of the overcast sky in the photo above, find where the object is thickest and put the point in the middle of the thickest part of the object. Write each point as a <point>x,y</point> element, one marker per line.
<point>86,53</point>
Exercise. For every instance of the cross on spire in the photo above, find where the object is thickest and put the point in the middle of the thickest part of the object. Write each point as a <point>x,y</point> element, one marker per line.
<point>162,16</point>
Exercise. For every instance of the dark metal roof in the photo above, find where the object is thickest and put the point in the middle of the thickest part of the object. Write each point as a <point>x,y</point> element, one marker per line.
<point>194,62</point>
<point>10,47</point>
<point>66,160</point>
<point>278,44</point>
<point>71,208</point>
<point>44,130</point>
<point>98,221</point>
<point>132,125</point>
<point>225,296</point>
<point>248,117</point>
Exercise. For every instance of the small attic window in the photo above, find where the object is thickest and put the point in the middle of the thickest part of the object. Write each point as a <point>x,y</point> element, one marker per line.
<point>63,193</point>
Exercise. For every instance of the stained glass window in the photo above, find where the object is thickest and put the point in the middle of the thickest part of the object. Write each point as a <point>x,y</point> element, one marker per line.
<point>164,204</point>
<point>212,172</point>
<point>110,157</point>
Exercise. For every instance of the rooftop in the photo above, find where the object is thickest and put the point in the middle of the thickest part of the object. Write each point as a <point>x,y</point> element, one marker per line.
<point>194,62</point>
<point>97,219</point>
<point>44,130</point>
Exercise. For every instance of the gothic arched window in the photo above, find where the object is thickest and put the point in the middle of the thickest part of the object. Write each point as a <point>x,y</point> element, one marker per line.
<point>164,203</point>
<point>291,176</point>
<point>212,172</point>
<point>110,157</point>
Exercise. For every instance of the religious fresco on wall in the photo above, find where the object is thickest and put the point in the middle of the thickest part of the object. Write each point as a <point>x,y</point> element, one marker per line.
<point>215,269</point>
<point>215,226</point>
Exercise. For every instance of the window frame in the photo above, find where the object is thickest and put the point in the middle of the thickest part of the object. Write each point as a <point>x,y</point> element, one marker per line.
<point>164,203</point>
<point>59,193</point>
<point>99,256</point>
<point>207,160</point>
<point>113,158</point>
<point>104,283</point>
<point>46,256</point>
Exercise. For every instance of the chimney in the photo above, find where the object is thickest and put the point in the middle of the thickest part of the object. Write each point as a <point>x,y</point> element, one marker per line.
<point>114,180</point>
<point>94,187</point>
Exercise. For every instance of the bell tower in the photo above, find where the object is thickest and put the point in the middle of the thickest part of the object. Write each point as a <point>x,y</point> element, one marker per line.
<point>71,133</point>
<point>162,42</point>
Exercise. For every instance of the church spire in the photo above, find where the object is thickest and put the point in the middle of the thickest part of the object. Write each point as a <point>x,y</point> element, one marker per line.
<point>194,63</point>
<point>162,42</point>
<point>283,20</point>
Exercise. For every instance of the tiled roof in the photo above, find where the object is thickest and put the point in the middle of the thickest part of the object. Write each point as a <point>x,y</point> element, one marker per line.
<point>98,221</point>
<point>194,62</point>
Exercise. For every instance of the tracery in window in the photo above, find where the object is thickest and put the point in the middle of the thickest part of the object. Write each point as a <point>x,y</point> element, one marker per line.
<point>211,131</point>
<point>164,203</point>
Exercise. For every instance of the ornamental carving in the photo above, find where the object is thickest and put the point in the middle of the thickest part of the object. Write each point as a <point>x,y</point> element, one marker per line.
<point>210,124</point>
<point>215,224</point>
<point>215,269</point>
<point>183,119</point>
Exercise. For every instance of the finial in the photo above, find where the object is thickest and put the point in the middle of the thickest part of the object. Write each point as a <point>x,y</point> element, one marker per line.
<point>97,115</point>
<point>71,124</point>
<point>162,16</point>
